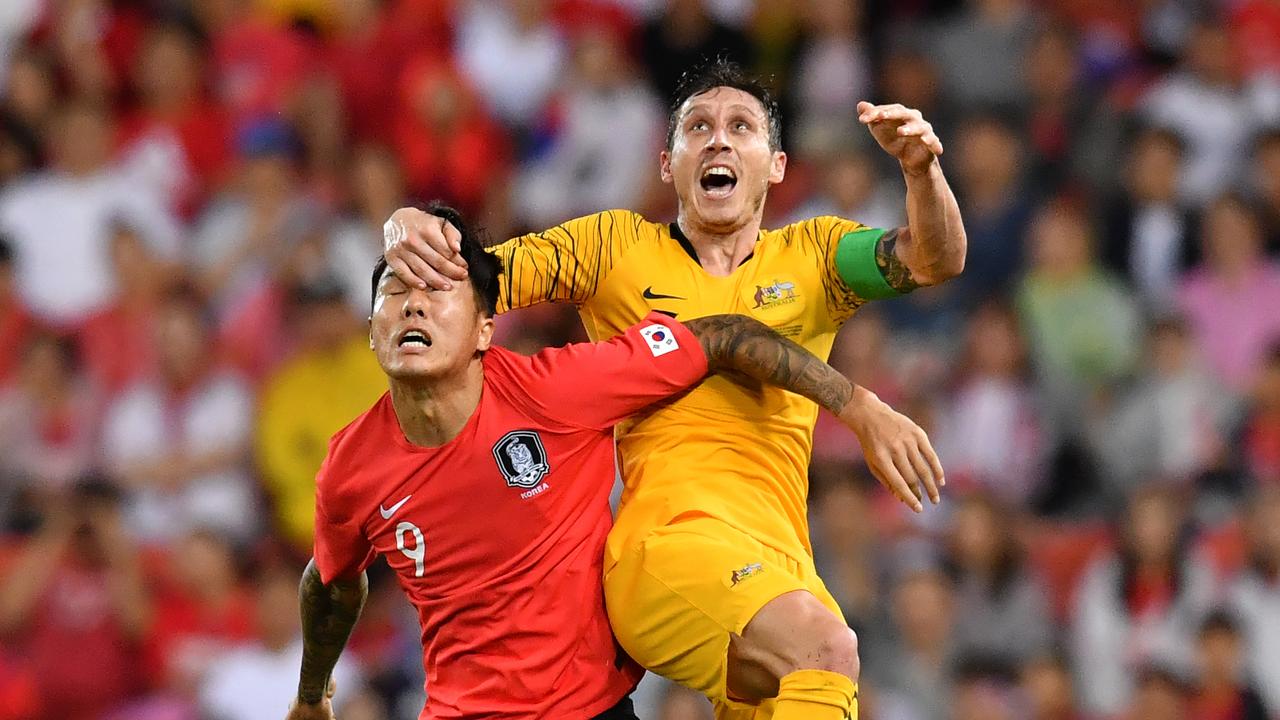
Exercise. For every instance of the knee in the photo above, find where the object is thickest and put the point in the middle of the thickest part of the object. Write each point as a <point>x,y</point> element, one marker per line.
<point>833,648</point>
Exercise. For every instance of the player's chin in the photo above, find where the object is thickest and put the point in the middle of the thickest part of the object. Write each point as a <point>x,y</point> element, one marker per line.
<point>414,368</point>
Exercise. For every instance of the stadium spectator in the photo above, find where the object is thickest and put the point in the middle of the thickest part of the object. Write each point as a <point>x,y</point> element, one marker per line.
<point>117,343</point>
<point>47,419</point>
<point>847,551</point>
<point>1260,443</point>
<point>1080,320</point>
<point>1160,694</point>
<point>1139,604</point>
<point>685,34</point>
<point>972,50</point>
<point>1222,297</point>
<point>849,185</point>
<point>31,94</point>
<point>513,54</point>
<point>1148,231</point>
<point>202,611</point>
<point>177,143</point>
<point>257,65</point>
<point>1265,173</point>
<point>1206,104</point>
<point>243,241</point>
<point>331,378</point>
<point>915,672</point>
<point>15,322</point>
<point>77,591</point>
<point>585,167</point>
<point>447,144</point>
<point>1222,691</point>
<point>991,163</point>
<point>1005,610</point>
<point>179,440</point>
<point>375,190</point>
<point>19,148</point>
<point>830,75</point>
<point>1171,426</point>
<point>984,690</point>
<point>1049,689</point>
<point>77,202</point>
<point>1255,596</point>
<point>988,431</point>
<point>257,679</point>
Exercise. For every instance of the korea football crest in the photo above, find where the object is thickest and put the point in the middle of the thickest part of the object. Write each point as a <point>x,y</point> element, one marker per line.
<point>521,458</point>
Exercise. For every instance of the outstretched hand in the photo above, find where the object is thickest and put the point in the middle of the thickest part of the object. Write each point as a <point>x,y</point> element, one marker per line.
<point>903,133</point>
<point>896,449</point>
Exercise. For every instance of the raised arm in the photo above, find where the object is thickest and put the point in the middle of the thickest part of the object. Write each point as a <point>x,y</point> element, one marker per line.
<point>896,449</point>
<point>931,249</point>
<point>329,612</point>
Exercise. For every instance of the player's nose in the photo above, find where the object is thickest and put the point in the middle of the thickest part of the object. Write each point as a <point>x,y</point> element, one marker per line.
<point>416,305</point>
<point>718,139</point>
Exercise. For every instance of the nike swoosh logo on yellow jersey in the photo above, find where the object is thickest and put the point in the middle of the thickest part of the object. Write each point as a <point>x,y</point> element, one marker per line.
<point>649,294</point>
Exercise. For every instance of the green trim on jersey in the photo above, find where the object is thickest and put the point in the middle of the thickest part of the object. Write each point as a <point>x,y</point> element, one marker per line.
<point>856,263</point>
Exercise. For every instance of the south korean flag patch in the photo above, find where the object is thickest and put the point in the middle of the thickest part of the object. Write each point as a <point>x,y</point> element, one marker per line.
<point>660,339</point>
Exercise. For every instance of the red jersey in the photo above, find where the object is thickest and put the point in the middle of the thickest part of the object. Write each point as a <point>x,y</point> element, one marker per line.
<point>497,536</point>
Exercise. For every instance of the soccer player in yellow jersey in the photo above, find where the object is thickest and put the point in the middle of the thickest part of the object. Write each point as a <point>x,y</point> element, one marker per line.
<point>709,574</point>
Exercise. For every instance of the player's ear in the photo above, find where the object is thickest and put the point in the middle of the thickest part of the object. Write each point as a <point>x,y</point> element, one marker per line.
<point>778,167</point>
<point>486,334</point>
<point>664,167</point>
<point>369,322</point>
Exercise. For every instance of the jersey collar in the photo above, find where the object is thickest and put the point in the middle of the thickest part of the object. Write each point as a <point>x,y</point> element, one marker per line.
<point>687,246</point>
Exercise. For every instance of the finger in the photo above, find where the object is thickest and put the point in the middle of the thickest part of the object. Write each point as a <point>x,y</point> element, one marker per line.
<point>916,128</point>
<point>930,456</point>
<point>892,479</point>
<point>894,112</point>
<point>402,271</point>
<point>432,241</point>
<point>422,275</point>
<point>933,143</point>
<point>454,239</point>
<point>902,462</point>
<point>925,472</point>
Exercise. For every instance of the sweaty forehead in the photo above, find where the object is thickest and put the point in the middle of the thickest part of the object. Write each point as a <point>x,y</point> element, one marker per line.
<point>720,99</point>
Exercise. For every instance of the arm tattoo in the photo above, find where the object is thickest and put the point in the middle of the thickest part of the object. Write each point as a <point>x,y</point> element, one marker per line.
<point>895,272</point>
<point>748,346</point>
<point>328,614</point>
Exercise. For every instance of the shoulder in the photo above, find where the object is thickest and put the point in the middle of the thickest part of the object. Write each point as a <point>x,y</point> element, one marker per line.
<point>351,446</point>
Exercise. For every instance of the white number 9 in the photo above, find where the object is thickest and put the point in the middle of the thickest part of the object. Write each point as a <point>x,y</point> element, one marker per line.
<point>418,553</point>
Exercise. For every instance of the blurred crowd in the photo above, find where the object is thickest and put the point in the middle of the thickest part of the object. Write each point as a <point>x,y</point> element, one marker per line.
<point>191,201</point>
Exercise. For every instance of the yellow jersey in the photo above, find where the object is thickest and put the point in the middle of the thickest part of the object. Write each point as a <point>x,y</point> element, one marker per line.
<point>729,448</point>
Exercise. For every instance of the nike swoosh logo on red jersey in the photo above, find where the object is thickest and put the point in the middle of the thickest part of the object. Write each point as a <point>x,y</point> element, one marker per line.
<point>388,512</point>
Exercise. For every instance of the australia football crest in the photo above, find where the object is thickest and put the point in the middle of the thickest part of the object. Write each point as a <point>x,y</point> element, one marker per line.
<point>521,458</point>
<point>781,292</point>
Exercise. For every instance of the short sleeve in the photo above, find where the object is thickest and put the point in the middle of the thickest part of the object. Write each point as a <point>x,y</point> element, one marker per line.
<point>567,262</point>
<point>341,548</point>
<point>851,274</point>
<point>596,385</point>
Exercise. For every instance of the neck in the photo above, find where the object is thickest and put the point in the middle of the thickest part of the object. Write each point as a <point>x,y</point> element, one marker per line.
<point>432,413</point>
<point>720,253</point>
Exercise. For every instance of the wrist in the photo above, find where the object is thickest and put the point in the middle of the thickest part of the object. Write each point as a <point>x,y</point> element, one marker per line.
<point>856,413</point>
<point>920,171</point>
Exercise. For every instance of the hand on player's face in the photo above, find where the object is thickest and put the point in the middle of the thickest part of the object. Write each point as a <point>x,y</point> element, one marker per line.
<point>720,160</point>
<point>420,334</point>
<point>903,133</point>
<point>423,250</point>
<point>897,451</point>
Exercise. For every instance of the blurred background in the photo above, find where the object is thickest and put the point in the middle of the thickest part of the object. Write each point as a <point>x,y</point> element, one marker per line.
<point>191,198</point>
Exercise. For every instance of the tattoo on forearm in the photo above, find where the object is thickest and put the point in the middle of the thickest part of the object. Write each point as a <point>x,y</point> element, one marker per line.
<point>329,612</point>
<point>748,346</point>
<point>895,272</point>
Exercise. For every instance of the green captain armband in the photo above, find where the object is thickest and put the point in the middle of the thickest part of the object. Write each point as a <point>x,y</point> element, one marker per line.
<point>856,263</point>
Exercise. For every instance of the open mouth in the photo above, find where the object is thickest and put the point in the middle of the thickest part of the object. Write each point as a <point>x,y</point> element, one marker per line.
<point>718,181</point>
<point>415,338</point>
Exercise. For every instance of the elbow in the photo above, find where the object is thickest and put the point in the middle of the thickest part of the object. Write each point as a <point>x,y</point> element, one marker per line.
<point>947,267</point>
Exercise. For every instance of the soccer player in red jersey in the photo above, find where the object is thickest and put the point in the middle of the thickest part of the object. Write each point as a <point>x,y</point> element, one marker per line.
<point>484,476</point>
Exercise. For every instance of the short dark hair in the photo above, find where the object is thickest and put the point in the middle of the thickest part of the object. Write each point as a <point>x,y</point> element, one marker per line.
<point>483,267</point>
<point>1219,620</point>
<point>722,72</point>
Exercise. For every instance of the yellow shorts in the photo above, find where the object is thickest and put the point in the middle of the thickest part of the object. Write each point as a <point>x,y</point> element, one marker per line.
<point>675,597</point>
